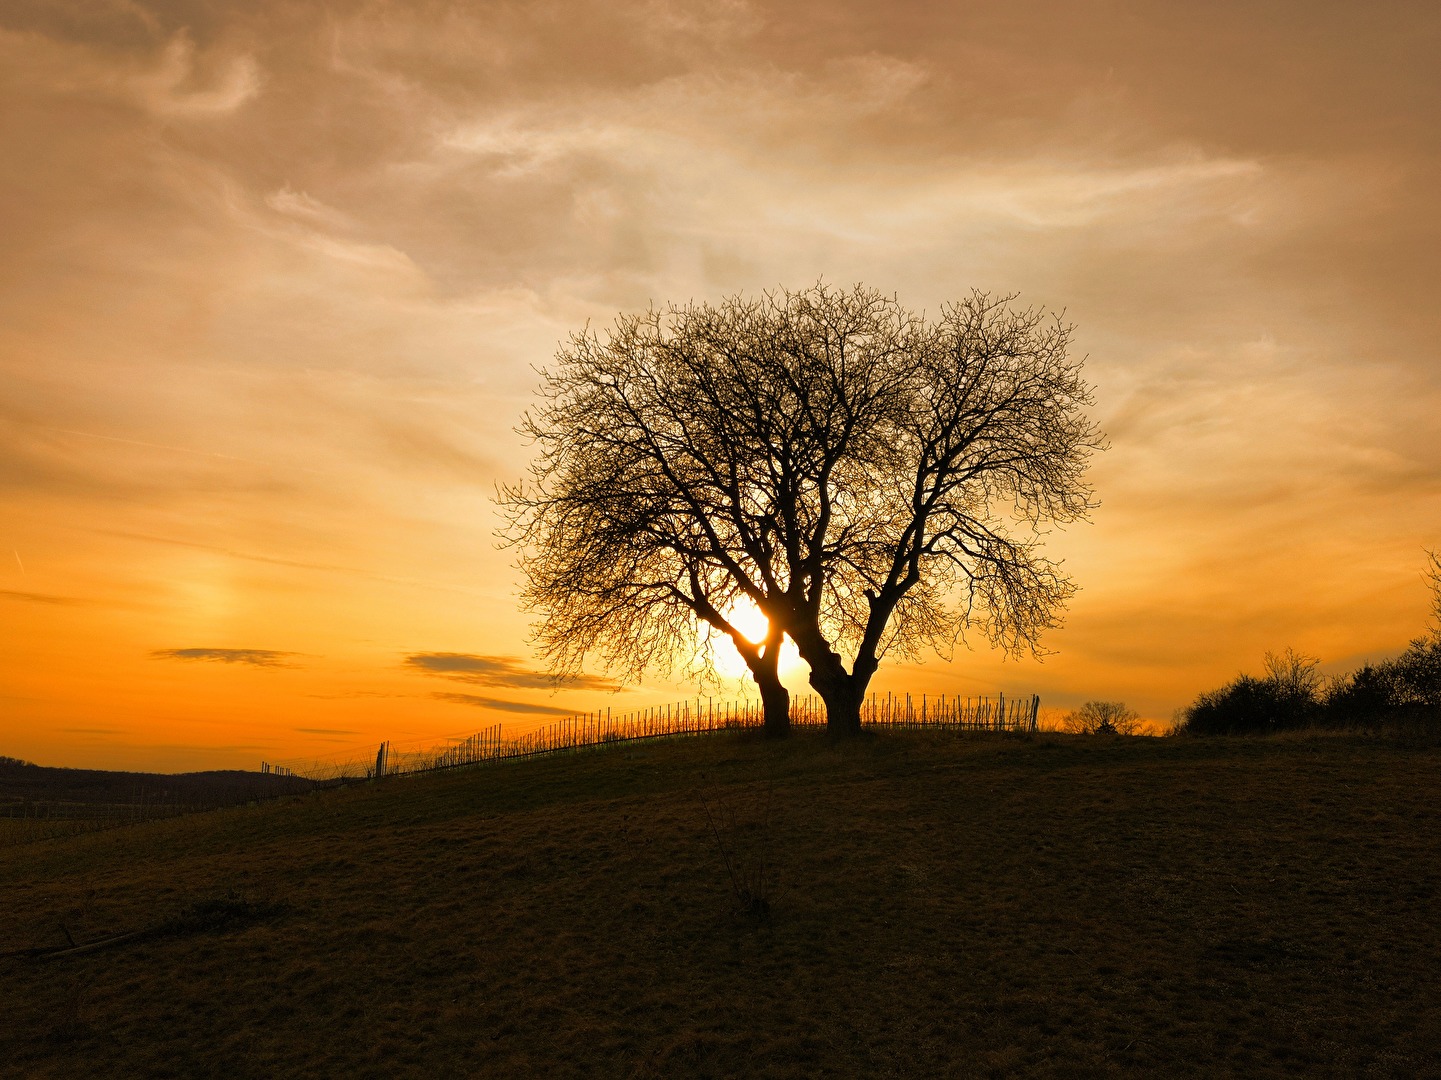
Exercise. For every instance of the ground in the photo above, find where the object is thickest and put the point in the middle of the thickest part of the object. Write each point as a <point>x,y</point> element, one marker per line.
<point>938,905</point>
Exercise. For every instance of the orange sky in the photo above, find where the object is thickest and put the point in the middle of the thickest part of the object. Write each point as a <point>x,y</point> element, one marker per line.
<point>273,277</point>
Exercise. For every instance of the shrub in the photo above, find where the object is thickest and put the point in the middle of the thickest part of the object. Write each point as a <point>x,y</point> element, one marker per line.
<point>1102,718</point>
<point>1287,697</point>
<point>1415,675</point>
<point>1294,676</point>
<point>752,877</point>
<point>1360,697</point>
<point>1408,685</point>
<point>1432,574</point>
<point>1242,706</point>
<point>1406,689</point>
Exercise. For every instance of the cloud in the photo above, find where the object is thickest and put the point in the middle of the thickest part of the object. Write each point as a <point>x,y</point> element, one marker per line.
<point>167,81</point>
<point>178,86</point>
<point>251,557</point>
<point>499,671</point>
<point>37,598</point>
<point>326,731</point>
<point>503,705</point>
<point>254,657</point>
<point>299,204</point>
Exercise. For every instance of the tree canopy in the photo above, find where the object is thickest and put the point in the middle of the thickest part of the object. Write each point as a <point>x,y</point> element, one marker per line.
<point>871,480</point>
<point>1102,718</point>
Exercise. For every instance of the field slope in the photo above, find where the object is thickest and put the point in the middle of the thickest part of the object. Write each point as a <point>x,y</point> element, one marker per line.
<point>969,906</point>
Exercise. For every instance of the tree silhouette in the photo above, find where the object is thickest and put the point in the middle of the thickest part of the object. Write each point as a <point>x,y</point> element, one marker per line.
<point>1102,718</point>
<point>1433,583</point>
<point>871,481</point>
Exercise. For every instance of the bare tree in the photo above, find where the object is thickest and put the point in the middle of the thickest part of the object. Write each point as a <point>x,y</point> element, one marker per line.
<point>1102,718</point>
<point>1294,674</point>
<point>871,481</point>
<point>1432,574</point>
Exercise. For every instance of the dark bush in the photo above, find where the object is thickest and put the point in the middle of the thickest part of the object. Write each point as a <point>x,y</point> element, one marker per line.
<point>1415,675</point>
<point>1248,705</point>
<point>1287,697</point>
<point>1404,692</point>
<point>1360,698</point>
<point>1407,686</point>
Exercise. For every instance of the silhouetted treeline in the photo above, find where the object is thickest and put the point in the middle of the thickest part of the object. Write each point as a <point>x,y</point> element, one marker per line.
<point>1404,691</point>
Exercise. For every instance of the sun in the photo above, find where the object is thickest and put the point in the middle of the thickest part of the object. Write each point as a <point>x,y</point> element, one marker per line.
<point>746,617</point>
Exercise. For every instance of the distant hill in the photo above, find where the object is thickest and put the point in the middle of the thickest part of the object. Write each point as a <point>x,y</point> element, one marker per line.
<point>59,792</point>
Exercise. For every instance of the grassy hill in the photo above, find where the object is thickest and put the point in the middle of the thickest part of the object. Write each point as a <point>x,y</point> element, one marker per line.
<point>941,905</point>
<point>37,802</point>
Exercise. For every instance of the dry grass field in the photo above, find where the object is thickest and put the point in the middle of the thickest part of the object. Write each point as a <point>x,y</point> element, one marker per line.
<point>940,905</point>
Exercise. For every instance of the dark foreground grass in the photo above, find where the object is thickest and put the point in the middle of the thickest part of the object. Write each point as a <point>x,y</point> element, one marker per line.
<point>942,906</point>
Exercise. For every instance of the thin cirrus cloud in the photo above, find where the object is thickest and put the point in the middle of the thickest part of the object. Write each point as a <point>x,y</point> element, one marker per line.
<point>253,657</point>
<point>499,671</point>
<point>503,705</point>
<point>37,598</point>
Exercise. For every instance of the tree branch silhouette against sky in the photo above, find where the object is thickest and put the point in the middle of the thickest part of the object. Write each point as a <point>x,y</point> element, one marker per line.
<point>866,480</point>
<point>274,279</point>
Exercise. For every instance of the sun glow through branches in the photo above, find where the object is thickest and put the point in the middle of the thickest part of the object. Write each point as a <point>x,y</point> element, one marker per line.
<point>746,617</point>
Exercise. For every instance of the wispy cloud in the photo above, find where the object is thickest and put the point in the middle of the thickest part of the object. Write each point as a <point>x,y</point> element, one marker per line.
<point>499,671</point>
<point>271,560</point>
<point>36,598</point>
<point>504,705</point>
<point>326,731</point>
<point>254,657</point>
<point>179,85</point>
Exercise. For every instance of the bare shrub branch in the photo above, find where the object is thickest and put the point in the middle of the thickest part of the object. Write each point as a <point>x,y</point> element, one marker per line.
<point>1432,574</point>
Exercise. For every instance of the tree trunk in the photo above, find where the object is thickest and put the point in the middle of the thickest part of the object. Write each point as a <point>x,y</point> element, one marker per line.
<point>775,698</point>
<point>843,691</point>
<point>843,696</point>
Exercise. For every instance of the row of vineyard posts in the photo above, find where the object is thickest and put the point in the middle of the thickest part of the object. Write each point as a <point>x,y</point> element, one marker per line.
<point>691,717</point>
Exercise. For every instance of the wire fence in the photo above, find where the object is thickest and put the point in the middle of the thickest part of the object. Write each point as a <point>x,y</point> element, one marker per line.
<point>696,716</point>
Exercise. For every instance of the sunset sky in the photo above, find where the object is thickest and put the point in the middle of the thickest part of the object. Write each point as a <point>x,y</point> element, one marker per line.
<point>274,278</point>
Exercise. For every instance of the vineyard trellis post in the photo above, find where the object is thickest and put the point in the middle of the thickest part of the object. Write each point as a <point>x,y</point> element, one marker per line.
<point>601,727</point>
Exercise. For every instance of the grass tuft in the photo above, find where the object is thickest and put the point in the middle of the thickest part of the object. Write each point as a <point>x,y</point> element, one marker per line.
<point>744,849</point>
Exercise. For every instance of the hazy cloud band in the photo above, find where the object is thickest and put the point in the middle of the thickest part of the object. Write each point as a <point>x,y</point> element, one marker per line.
<point>254,657</point>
